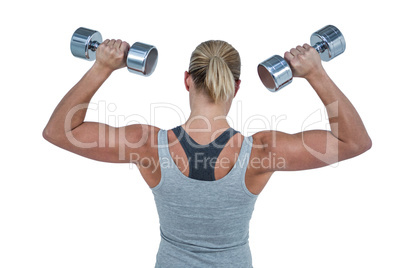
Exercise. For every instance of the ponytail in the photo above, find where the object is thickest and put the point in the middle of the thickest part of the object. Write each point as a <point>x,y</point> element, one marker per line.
<point>219,80</point>
<point>214,67</point>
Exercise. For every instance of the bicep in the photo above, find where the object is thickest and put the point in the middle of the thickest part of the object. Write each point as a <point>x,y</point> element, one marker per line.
<point>106,143</point>
<point>304,150</point>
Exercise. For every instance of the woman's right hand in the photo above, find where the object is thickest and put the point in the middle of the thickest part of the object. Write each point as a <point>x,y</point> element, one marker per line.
<point>112,54</point>
<point>304,61</point>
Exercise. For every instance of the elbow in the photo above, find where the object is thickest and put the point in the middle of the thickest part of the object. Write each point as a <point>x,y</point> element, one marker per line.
<point>366,144</point>
<point>362,146</point>
<point>55,137</point>
<point>47,135</point>
<point>50,135</point>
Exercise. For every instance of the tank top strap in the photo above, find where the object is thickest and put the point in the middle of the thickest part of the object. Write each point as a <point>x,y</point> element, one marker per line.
<point>166,162</point>
<point>163,144</point>
<point>242,164</point>
<point>244,154</point>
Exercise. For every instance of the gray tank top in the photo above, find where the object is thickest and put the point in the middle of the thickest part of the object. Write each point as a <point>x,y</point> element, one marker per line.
<point>203,223</point>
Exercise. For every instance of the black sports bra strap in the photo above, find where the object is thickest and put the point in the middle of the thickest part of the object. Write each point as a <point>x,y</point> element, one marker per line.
<point>221,141</point>
<point>202,158</point>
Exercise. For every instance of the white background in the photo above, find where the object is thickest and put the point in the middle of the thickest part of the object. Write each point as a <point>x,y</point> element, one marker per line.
<point>61,210</point>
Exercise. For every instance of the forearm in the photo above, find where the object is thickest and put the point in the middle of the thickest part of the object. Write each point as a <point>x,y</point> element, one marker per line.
<point>71,110</point>
<point>346,124</point>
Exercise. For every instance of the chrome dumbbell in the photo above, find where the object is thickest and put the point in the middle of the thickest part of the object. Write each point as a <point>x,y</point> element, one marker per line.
<point>141,59</point>
<point>275,72</point>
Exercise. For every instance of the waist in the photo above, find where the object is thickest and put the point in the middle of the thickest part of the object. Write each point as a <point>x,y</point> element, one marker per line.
<point>173,254</point>
<point>206,244</point>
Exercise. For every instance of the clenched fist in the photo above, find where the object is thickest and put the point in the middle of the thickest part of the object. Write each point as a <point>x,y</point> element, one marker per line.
<point>112,54</point>
<point>304,61</point>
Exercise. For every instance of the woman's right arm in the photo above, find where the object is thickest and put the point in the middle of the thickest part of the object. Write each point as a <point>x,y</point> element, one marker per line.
<point>317,148</point>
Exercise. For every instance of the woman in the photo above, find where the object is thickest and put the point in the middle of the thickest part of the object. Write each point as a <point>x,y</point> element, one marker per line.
<point>204,175</point>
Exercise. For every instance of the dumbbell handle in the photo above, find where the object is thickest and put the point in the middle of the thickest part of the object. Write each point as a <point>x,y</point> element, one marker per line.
<point>320,47</point>
<point>93,45</point>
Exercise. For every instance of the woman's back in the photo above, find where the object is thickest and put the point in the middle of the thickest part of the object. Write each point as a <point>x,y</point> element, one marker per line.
<point>203,223</point>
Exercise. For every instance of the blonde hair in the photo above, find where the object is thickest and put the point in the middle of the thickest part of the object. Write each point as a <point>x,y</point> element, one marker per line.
<point>214,67</point>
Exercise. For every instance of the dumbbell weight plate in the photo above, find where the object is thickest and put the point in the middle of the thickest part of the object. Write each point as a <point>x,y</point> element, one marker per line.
<point>80,43</point>
<point>333,39</point>
<point>142,59</point>
<point>275,73</point>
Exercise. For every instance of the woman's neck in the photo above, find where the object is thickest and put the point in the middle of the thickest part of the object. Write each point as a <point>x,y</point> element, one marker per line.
<point>207,118</point>
<point>206,115</point>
